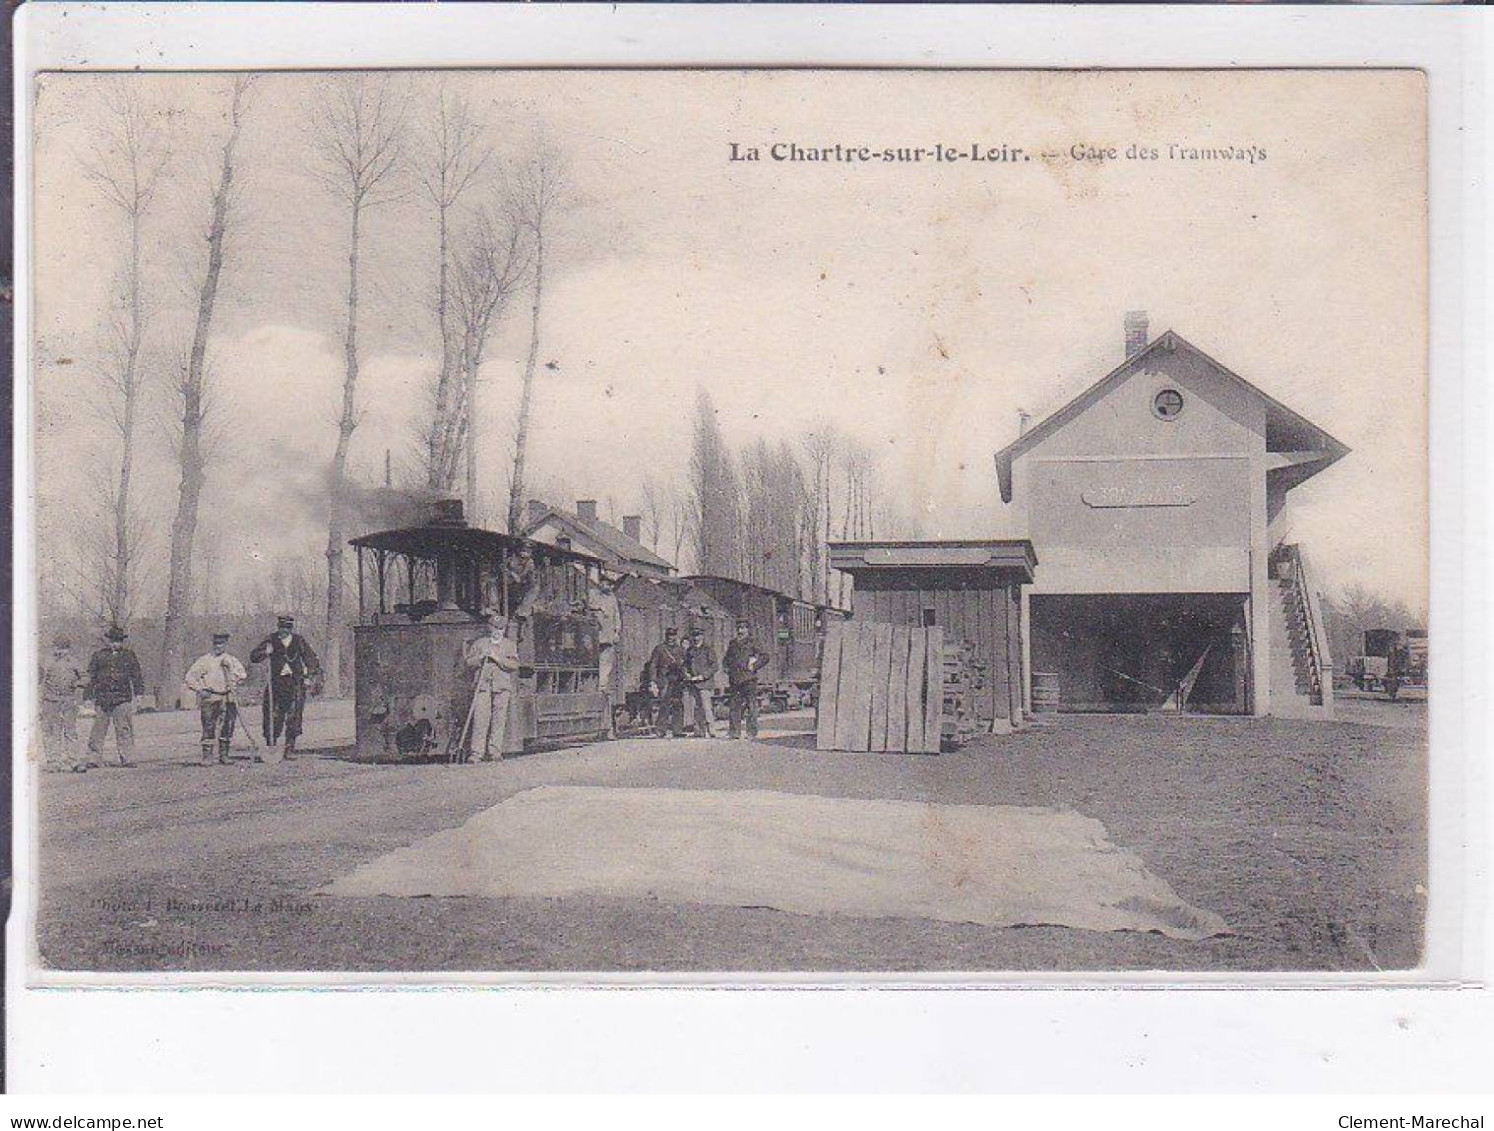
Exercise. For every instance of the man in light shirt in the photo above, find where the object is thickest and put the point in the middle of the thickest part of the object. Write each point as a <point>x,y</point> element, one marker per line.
<point>605,607</point>
<point>62,680</point>
<point>496,658</point>
<point>214,677</point>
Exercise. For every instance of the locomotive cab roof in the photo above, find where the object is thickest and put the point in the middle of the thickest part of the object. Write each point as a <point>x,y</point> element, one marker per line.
<point>437,539</point>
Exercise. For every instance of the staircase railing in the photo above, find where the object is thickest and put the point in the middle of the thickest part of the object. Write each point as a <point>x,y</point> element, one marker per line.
<point>1314,634</point>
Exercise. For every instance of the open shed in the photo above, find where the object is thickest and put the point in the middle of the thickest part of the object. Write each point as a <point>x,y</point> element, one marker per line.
<point>971,589</point>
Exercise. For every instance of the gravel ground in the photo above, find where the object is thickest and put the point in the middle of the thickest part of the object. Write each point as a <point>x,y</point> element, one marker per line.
<point>1308,838</point>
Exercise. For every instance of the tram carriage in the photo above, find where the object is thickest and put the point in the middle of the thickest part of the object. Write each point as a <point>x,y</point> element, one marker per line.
<point>788,629</point>
<point>421,593</point>
<point>649,606</point>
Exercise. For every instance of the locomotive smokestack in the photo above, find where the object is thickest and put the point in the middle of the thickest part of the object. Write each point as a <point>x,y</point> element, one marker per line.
<point>1136,332</point>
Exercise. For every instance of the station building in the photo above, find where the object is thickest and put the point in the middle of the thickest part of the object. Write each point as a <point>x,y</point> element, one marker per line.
<point>1157,503</point>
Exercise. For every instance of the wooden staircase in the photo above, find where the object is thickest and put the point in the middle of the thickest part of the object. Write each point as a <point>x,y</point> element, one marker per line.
<point>1301,667</point>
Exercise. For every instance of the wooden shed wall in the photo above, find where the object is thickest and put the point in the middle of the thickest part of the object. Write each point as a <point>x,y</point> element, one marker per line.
<point>983,612</point>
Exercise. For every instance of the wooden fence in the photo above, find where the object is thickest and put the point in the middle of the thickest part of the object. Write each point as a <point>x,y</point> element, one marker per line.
<point>881,688</point>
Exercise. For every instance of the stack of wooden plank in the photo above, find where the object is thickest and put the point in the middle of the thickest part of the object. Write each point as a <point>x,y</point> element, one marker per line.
<point>957,724</point>
<point>881,688</point>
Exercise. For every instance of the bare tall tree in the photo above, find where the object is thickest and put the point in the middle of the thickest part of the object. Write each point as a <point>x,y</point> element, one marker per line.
<point>538,190</point>
<point>654,506</point>
<point>715,496</point>
<point>486,277</point>
<point>357,129</point>
<point>820,448</point>
<point>451,159</point>
<point>680,508</point>
<point>128,156</point>
<point>192,388</point>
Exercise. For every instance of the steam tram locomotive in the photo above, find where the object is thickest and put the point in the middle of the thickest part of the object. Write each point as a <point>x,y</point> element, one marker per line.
<point>421,594</point>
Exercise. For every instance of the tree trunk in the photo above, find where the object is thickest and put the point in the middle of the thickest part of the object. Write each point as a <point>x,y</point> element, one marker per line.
<point>521,441</point>
<point>439,459</point>
<point>119,603</point>
<point>345,425</point>
<point>184,527</point>
<point>471,442</point>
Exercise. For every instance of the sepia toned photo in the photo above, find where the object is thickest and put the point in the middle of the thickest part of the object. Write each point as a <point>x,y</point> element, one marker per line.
<point>716,522</point>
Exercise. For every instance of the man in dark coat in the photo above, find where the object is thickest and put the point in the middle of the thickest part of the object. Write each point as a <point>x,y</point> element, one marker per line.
<point>700,669</point>
<point>742,661</point>
<point>114,680</point>
<point>664,676</point>
<point>293,665</point>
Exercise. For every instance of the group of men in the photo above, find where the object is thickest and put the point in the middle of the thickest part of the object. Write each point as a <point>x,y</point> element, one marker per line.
<point>673,672</point>
<point>113,681</point>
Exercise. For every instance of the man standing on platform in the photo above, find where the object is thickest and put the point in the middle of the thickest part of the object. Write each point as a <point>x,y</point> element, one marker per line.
<point>605,608</point>
<point>742,661</point>
<point>700,669</point>
<point>61,680</point>
<point>293,665</point>
<point>114,680</point>
<point>665,679</point>
<point>496,658</point>
<point>213,677</point>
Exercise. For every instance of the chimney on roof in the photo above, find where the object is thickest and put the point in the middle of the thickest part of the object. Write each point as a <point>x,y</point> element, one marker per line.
<point>586,509</point>
<point>447,512</point>
<point>1136,332</point>
<point>633,526</point>
<point>1024,421</point>
<point>534,510</point>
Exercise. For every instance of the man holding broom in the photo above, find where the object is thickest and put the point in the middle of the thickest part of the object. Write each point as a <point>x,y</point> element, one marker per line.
<point>213,678</point>
<point>496,660</point>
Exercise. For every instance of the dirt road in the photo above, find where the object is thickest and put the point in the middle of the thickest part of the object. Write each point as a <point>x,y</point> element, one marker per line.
<point>1308,838</point>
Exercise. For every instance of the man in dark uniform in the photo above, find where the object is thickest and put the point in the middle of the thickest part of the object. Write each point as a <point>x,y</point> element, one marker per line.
<point>114,680</point>
<point>700,669</point>
<point>293,665</point>
<point>742,661</point>
<point>665,678</point>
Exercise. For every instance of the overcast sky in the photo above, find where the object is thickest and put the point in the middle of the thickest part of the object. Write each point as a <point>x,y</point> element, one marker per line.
<point>917,306</point>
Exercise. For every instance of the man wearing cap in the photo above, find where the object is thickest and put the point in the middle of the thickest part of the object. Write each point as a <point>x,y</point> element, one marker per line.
<point>496,658</point>
<point>699,670</point>
<point>114,679</point>
<point>742,660</point>
<point>214,677</point>
<point>664,675</point>
<point>293,665</point>
<point>62,679</point>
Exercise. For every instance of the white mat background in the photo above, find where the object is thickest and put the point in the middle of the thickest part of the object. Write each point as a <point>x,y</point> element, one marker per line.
<point>999,866</point>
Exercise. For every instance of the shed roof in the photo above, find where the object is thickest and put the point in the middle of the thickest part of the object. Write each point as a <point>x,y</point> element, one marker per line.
<point>1014,554</point>
<point>1286,431</point>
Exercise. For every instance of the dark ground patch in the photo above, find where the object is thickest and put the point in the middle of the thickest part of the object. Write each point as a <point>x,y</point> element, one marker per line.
<point>1308,838</point>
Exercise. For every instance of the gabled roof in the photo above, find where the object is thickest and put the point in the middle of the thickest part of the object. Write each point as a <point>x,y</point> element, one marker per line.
<point>1286,431</point>
<point>617,543</point>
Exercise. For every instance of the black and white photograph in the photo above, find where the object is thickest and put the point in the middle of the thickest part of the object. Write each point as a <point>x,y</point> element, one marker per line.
<point>770,522</point>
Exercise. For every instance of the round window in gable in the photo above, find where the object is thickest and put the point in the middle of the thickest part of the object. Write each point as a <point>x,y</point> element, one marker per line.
<point>1168,404</point>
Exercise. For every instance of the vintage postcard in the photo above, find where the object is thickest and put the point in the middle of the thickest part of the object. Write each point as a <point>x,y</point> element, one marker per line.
<point>754,522</point>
